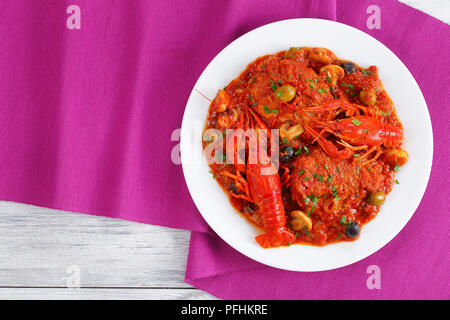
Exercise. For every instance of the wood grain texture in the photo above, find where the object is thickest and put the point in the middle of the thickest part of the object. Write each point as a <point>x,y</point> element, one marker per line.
<point>117,259</point>
<point>104,294</point>
<point>38,245</point>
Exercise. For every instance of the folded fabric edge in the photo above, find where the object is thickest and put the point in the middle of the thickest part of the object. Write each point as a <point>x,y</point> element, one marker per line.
<point>204,283</point>
<point>203,250</point>
<point>151,221</point>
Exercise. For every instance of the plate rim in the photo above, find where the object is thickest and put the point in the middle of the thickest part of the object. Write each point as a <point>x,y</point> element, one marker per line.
<point>253,256</point>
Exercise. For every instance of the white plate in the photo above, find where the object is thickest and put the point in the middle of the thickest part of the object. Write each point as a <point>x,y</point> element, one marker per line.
<point>347,43</point>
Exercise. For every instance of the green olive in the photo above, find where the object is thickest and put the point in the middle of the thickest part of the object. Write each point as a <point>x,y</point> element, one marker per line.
<point>368,96</point>
<point>285,93</point>
<point>376,198</point>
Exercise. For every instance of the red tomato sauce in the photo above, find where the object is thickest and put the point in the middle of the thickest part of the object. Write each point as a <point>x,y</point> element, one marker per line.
<point>331,192</point>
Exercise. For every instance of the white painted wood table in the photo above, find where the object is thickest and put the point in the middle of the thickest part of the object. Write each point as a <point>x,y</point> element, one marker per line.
<point>42,250</point>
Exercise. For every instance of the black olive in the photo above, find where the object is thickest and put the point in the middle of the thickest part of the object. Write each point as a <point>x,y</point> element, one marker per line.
<point>349,67</point>
<point>233,187</point>
<point>352,230</point>
<point>286,153</point>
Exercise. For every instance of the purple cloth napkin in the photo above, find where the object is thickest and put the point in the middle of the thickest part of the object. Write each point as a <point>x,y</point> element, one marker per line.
<point>87,116</point>
<point>415,264</point>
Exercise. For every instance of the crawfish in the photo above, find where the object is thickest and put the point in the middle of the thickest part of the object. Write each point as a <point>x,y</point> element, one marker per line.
<point>360,131</point>
<point>265,188</point>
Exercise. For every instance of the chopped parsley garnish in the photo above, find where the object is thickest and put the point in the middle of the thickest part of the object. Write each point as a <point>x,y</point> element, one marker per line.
<point>311,86</point>
<point>329,79</point>
<point>285,140</point>
<point>343,220</point>
<point>349,85</point>
<point>366,131</point>
<point>312,198</point>
<point>298,151</point>
<point>357,155</point>
<point>356,122</point>
<point>397,182</point>
<point>325,166</point>
<point>320,90</point>
<point>396,168</point>
<point>330,177</point>
<point>224,156</point>
<point>301,172</point>
<point>357,169</point>
<point>273,85</point>
<point>365,72</point>
<point>339,235</point>
<point>318,177</point>
<point>335,193</point>
<point>306,150</point>
<point>306,178</point>
<point>267,110</point>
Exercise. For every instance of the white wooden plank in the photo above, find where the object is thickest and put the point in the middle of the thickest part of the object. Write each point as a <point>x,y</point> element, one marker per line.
<point>38,245</point>
<point>439,9</point>
<point>102,294</point>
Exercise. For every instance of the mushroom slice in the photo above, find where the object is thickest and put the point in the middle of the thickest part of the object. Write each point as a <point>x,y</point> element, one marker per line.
<point>300,221</point>
<point>290,133</point>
